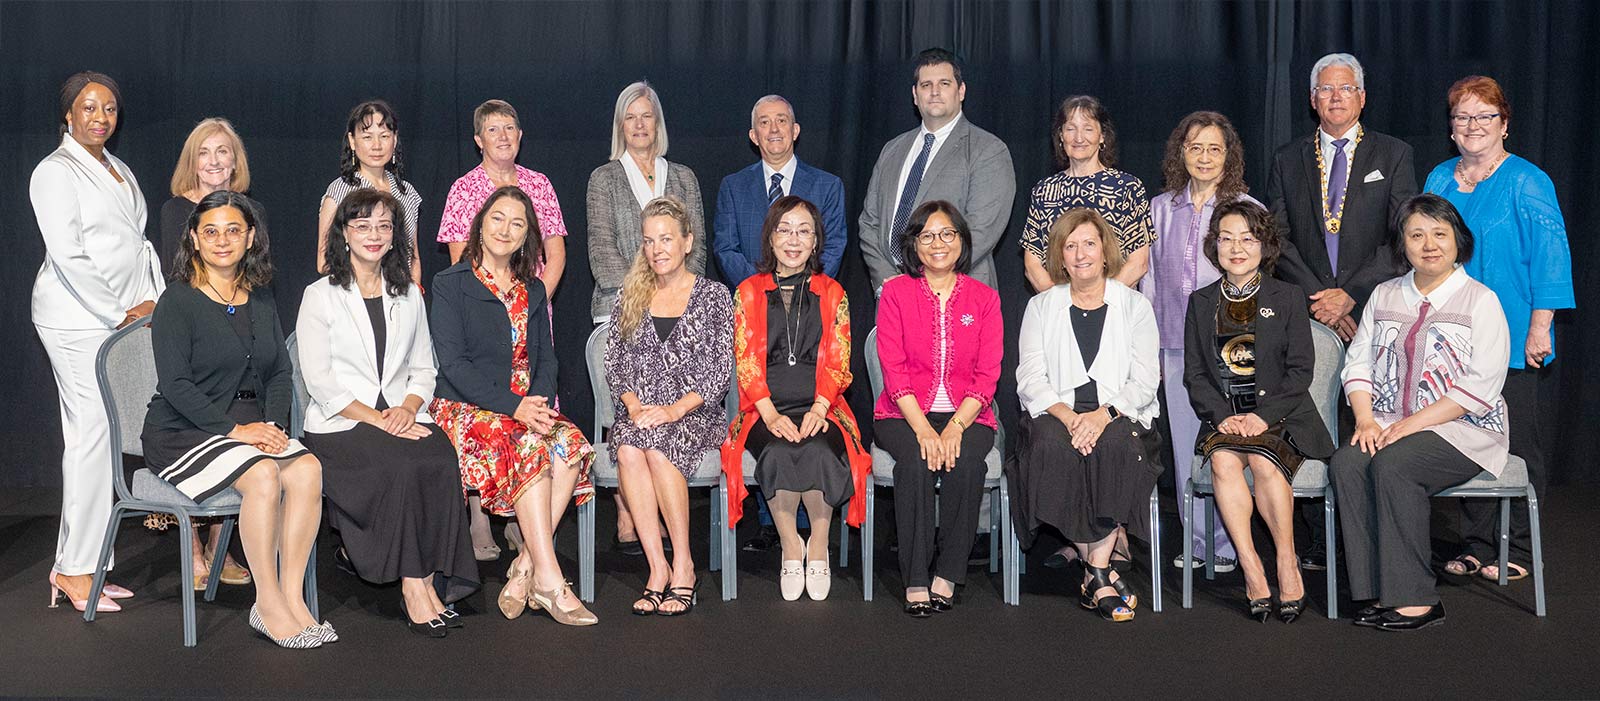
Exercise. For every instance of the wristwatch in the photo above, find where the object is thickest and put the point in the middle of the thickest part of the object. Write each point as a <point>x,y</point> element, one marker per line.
<point>1112,412</point>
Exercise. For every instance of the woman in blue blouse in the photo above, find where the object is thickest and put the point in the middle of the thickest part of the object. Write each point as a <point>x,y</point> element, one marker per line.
<point>1511,207</point>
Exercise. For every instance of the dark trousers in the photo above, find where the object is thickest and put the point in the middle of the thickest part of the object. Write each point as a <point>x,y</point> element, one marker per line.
<point>1384,510</point>
<point>1480,518</point>
<point>923,554</point>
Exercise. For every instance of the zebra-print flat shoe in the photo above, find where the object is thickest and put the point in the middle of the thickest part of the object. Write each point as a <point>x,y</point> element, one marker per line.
<point>303,640</point>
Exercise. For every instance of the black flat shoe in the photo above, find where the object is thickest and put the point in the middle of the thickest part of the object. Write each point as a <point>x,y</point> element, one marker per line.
<point>941,604</point>
<point>1261,609</point>
<point>1393,620</point>
<point>451,619</point>
<point>341,560</point>
<point>627,547</point>
<point>1288,611</point>
<point>1369,615</point>
<point>766,540</point>
<point>919,609</point>
<point>434,628</point>
<point>1315,559</point>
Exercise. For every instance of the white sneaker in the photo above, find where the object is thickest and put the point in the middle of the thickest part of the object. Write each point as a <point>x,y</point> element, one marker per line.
<point>819,579</point>
<point>792,580</point>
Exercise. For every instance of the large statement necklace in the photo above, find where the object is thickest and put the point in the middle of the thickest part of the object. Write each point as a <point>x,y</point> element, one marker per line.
<point>1331,220</point>
<point>1243,292</point>
<point>1469,182</point>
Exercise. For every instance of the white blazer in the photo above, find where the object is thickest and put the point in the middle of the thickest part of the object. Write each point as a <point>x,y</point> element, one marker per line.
<point>1126,371</point>
<point>338,356</point>
<point>98,263</point>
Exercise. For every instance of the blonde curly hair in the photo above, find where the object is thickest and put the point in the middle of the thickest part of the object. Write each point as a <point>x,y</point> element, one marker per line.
<point>639,286</point>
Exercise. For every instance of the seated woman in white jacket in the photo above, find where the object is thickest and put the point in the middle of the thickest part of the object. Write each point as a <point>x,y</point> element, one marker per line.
<point>1087,380</point>
<point>393,488</point>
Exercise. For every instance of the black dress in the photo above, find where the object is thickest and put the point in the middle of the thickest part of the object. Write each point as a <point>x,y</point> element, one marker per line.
<point>396,502</point>
<point>794,324</point>
<point>1085,497</point>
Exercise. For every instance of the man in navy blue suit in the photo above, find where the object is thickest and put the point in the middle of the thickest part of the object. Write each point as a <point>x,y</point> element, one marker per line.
<point>743,199</point>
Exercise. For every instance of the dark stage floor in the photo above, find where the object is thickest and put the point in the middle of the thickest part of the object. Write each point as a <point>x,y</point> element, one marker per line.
<point>763,646</point>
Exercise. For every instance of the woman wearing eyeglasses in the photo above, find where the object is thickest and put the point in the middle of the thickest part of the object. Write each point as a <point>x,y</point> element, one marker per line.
<point>1204,168</point>
<point>939,344</point>
<point>1510,206</point>
<point>1248,365</point>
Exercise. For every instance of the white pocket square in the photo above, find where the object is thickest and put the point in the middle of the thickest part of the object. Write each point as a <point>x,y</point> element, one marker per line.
<point>1373,177</point>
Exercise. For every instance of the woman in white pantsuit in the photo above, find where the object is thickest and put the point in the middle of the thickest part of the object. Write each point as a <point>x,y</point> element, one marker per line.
<point>99,274</point>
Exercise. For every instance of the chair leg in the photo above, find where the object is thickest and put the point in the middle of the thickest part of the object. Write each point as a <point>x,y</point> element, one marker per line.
<point>586,550</point>
<point>844,543</point>
<point>714,551</point>
<point>1155,549</point>
<point>223,540</point>
<point>186,576</point>
<point>994,531</point>
<point>1009,579</point>
<point>869,541</point>
<point>1505,538</point>
<point>99,583</point>
<point>1330,546</point>
<point>1211,538</point>
<point>1538,552</point>
<point>728,556</point>
<point>312,603</point>
<point>1187,506</point>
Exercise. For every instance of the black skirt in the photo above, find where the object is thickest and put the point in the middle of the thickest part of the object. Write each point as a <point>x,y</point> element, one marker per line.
<point>1085,497</point>
<point>397,506</point>
<point>815,463</point>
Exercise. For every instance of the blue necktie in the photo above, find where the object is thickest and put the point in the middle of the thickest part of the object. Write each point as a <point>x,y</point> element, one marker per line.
<point>908,197</point>
<point>776,191</point>
<point>1338,176</point>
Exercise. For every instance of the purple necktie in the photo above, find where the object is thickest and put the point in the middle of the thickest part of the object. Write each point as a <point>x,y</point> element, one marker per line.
<point>908,196</point>
<point>1337,177</point>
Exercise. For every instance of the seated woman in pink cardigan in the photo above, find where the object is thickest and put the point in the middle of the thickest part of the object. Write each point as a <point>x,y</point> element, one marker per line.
<point>939,342</point>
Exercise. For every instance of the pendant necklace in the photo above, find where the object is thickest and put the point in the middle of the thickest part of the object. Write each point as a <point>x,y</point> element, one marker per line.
<point>229,301</point>
<point>796,302</point>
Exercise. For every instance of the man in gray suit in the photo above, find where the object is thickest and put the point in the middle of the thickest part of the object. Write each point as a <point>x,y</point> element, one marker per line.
<point>944,158</point>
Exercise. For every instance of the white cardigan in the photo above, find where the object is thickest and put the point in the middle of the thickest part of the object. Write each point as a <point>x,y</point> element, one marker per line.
<point>338,355</point>
<point>1126,371</point>
<point>97,262</point>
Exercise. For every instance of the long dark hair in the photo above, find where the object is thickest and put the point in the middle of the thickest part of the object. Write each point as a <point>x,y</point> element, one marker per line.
<point>525,261</point>
<point>255,268</point>
<point>1176,173</point>
<point>380,112</point>
<point>785,205</point>
<point>396,264</point>
<point>910,263</point>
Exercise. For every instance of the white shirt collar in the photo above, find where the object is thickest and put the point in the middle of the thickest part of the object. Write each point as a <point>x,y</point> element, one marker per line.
<point>1440,295</point>
<point>1325,140</point>
<point>943,131</point>
<point>787,171</point>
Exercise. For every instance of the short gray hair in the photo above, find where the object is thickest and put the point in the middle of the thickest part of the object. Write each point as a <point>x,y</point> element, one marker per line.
<point>765,100</point>
<point>619,143</point>
<point>1345,60</point>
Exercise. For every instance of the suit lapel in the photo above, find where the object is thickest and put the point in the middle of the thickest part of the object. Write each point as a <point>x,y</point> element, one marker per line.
<point>894,161</point>
<point>953,149</point>
<point>126,196</point>
<point>356,309</point>
<point>1313,194</point>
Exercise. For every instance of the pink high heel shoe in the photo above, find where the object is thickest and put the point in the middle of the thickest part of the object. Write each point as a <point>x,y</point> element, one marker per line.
<point>112,591</point>
<point>104,605</point>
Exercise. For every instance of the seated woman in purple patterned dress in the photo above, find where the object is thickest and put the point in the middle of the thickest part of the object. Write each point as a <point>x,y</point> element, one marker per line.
<point>668,374</point>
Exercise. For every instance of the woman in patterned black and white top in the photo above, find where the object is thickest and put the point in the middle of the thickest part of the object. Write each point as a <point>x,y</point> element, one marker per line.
<point>371,158</point>
<point>1423,376</point>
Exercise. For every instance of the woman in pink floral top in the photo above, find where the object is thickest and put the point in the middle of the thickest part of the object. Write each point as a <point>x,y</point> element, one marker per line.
<point>499,136</point>
<point>939,344</point>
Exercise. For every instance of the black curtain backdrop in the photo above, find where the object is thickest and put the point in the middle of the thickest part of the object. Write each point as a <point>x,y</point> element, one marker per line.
<point>287,73</point>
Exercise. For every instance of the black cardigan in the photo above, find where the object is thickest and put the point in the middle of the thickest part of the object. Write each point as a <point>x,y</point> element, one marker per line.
<point>1285,361</point>
<point>472,340</point>
<point>200,361</point>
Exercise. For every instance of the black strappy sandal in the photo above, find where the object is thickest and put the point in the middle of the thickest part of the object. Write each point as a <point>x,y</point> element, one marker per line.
<point>677,594</point>
<point>1111,608</point>
<point>653,598</point>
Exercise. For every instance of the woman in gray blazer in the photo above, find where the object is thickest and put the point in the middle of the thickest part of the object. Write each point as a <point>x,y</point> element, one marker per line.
<point>637,173</point>
<point>99,274</point>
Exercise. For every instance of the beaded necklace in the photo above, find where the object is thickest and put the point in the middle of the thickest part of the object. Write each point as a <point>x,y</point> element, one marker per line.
<point>1331,220</point>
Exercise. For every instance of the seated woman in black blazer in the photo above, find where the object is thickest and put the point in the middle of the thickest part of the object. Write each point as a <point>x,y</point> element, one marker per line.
<point>496,393</point>
<point>394,493</point>
<point>1248,360</point>
<point>223,391</point>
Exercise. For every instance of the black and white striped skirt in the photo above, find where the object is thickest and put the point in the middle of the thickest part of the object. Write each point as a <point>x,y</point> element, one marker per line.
<point>201,464</point>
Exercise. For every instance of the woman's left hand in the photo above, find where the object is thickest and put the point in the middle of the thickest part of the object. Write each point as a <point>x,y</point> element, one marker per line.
<point>651,415</point>
<point>1537,348</point>
<point>398,419</point>
<point>1087,428</point>
<point>1249,425</point>
<point>813,423</point>
<point>1398,430</point>
<point>950,438</point>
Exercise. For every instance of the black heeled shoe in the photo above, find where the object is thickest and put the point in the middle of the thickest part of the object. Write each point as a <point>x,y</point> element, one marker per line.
<point>919,609</point>
<point>1112,608</point>
<point>1288,611</point>
<point>431,628</point>
<point>940,604</point>
<point>451,619</point>
<point>1261,609</point>
<point>651,597</point>
<point>687,599</point>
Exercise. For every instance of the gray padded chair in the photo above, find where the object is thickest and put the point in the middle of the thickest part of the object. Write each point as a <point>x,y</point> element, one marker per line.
<point>1310,482</point>
<point>707,474</point>
<point>994,480</point>
<point>126,373</point>
<point>1512,484</point>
